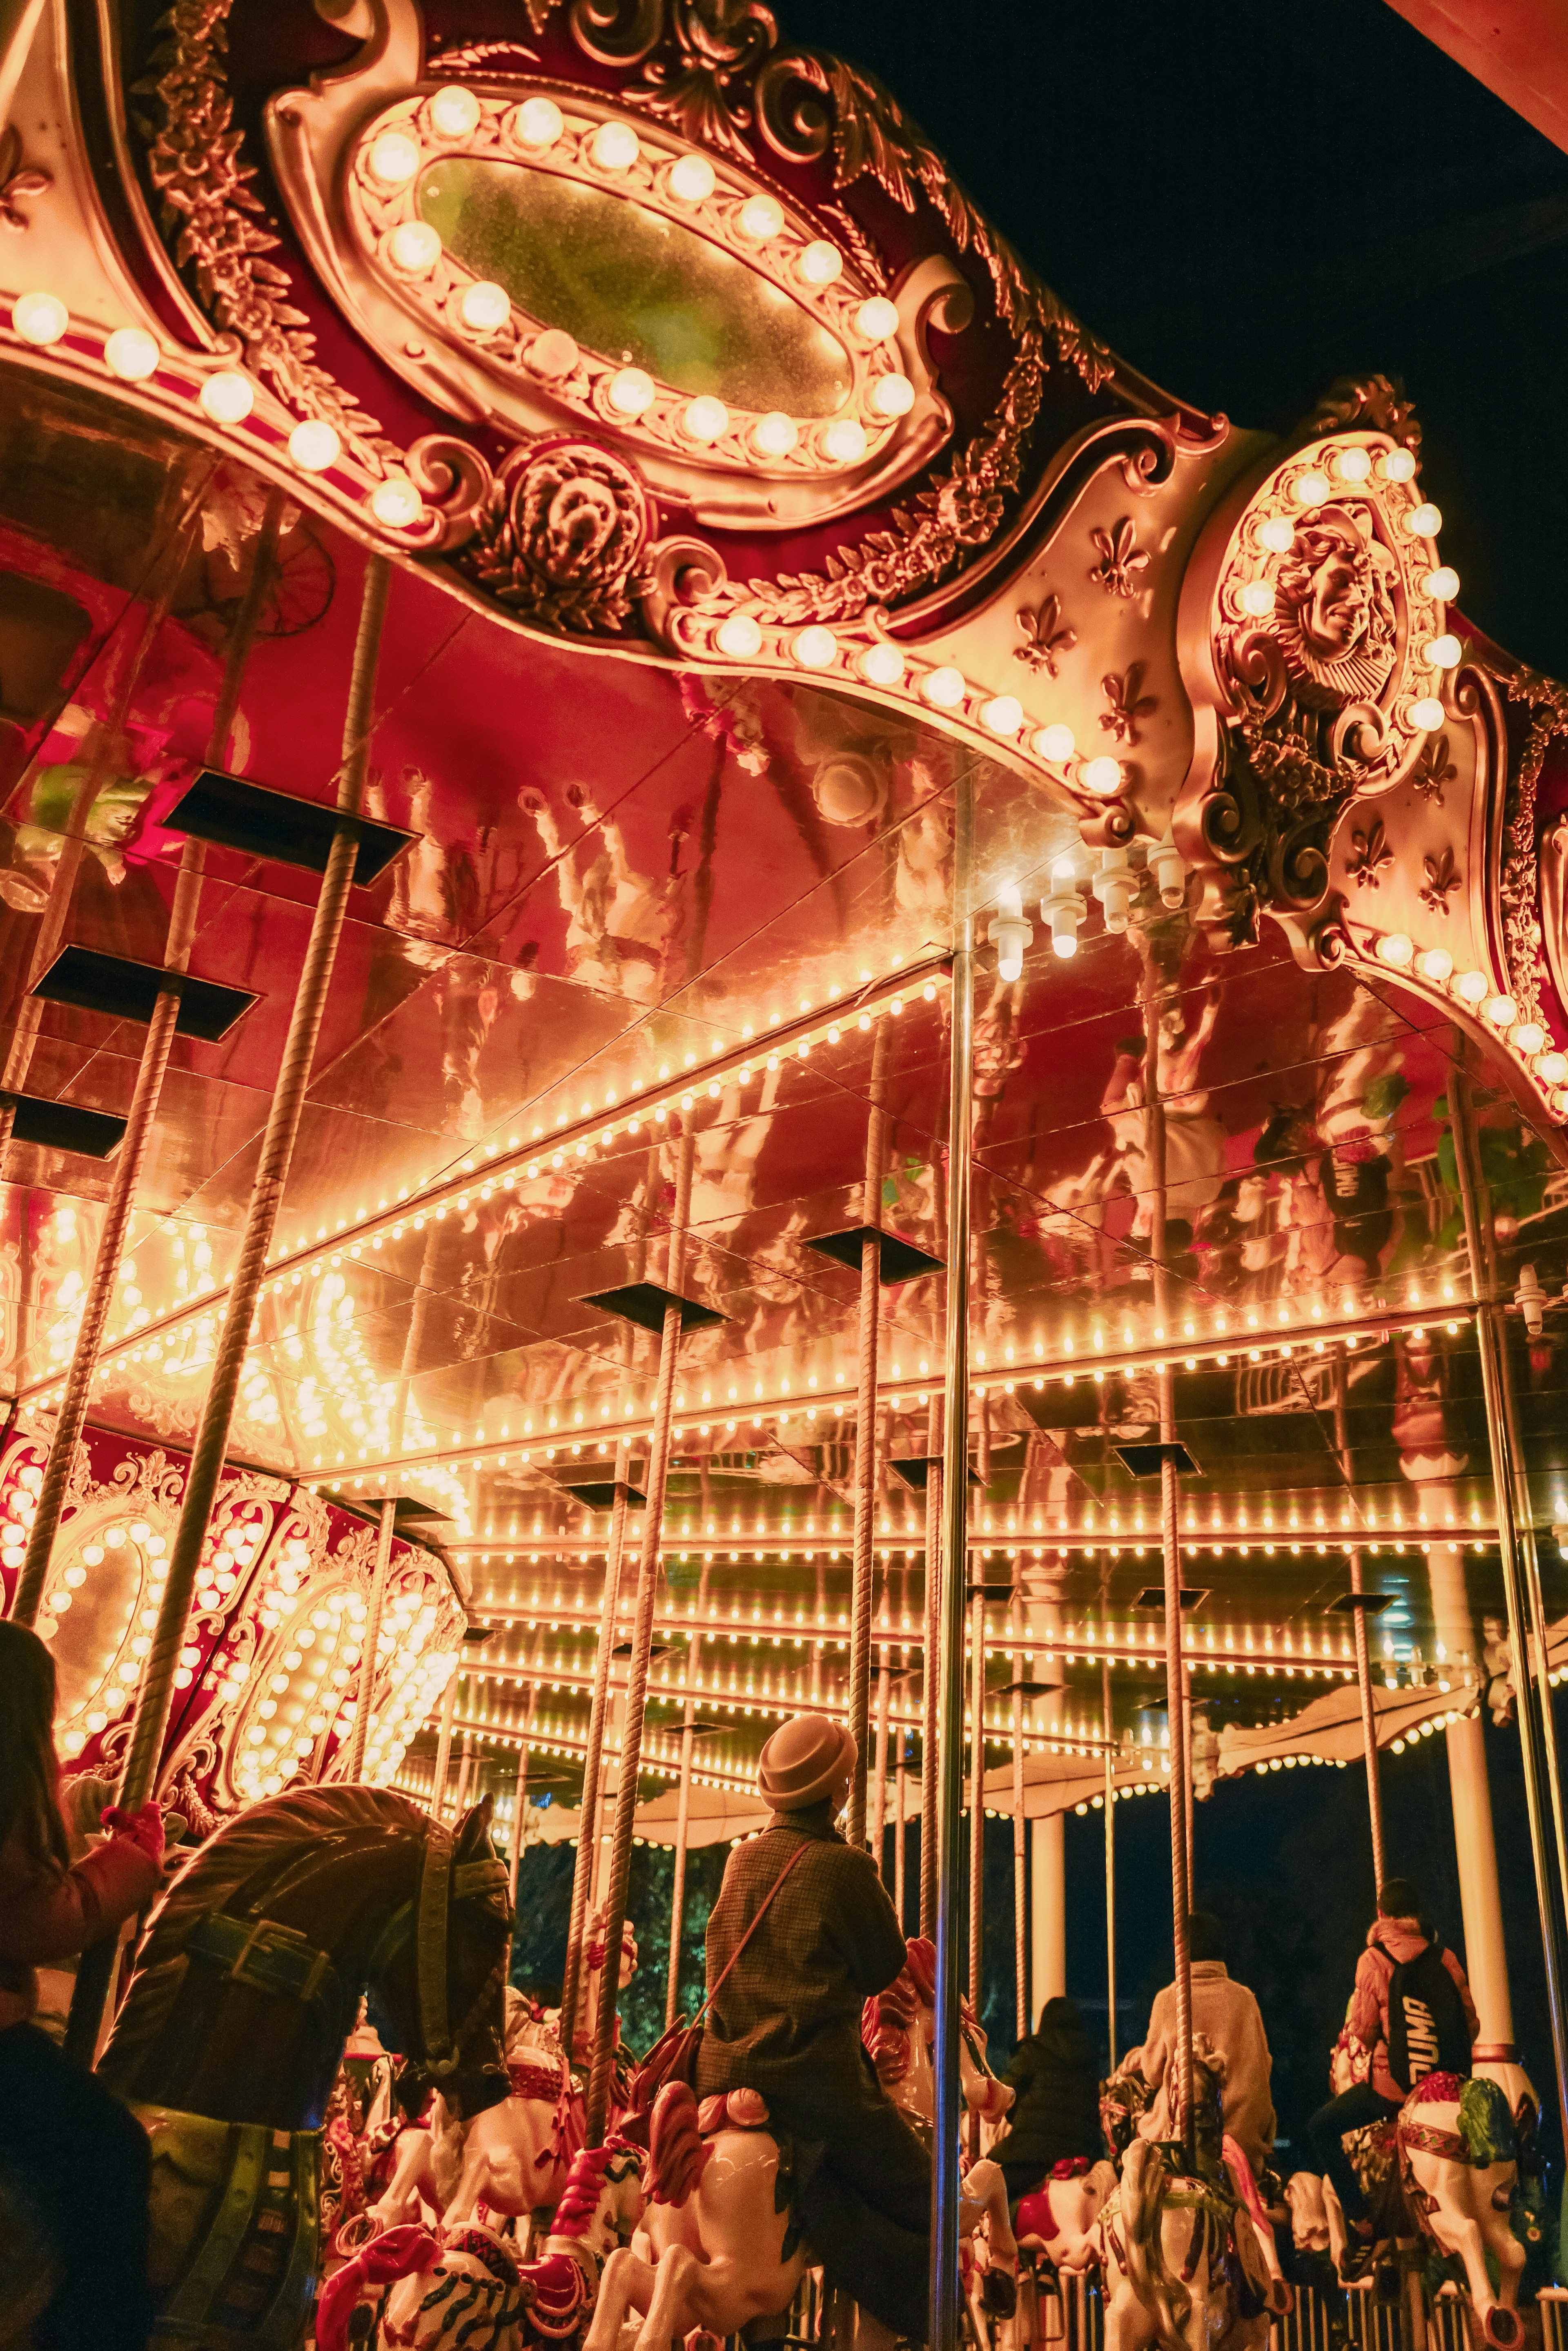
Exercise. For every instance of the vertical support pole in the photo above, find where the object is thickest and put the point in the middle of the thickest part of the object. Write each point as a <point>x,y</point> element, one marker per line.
<point>1020,1841</point>
<point>1049,1920</point>
<point>948,1761</point>
<point>1481,1895</point>
<point>593,1758</point>
<point>900,1834</point>
<point>1368,1727</point>
<point>1532,1730</point>
<point>1186,1762</point>
<point>683,1804</point>
<point>864,1571</point>
<point>367,1656</point>
<point>976,1792</point>
<point>1109,1720</point>
<point>879,1766</point>
<point>444,1745</point>
<point>520,1798</point>
<point>464,1773</point>
<point>637,1677</point>
<point>1181,1893</point>
<point>931,1680</point>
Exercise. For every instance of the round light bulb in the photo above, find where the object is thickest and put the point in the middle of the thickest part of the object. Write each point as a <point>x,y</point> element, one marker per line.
<point>880,665</point>
<point>761,219</point>
<point>1426,714</point>
<point>740,637</point>
<point>1501,1010</point>
<point>553,353</point>
<point>227,397</point>
<point>1398,465</point>
<point>1102,774</point>
<point>820,262</point>
<point>1443,584</point>
<point>416,246</point>
<point>1352,465</point>
<point>1443,653</point>
<point>845,441</point>
<point>877,320</point>
<point>706,418</point>
<point>131,354</point>
<point>1552,1068</point>
<point>1064,943</point>
<point>631,391</point>
<point>1277,535</point>
<point>1425,521</point>
<point>892,395</point>
<point>815,648</point>
<point>314,445</point>
<point>485,306</point>
<point>1436,965</point>
<point>1002,714</point>
<point>943,687</point>
<point>1395,949</point>
<point>1312,489</point>
<point>396,502</point>
<point>1257,597</point>
<point>454,111</point>
<point>775,434</point>
<point>39,319</point>
<point>1055,742</point>
<point>1527,1036</point>
<point>394,159</point>
<point>693,179</point>
<point>616,147</point>
<point>1472,986</point>
<point>538,122</point>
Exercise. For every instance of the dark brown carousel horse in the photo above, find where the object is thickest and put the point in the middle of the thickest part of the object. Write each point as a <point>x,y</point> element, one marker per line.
<point>247,1984</point>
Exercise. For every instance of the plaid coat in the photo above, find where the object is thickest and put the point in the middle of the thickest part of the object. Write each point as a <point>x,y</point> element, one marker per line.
<point>789,2012</point>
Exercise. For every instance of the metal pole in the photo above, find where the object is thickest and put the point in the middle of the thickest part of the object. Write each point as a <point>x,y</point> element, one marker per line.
<point>369,1654</point>
<point>1109,1859</point>
<point>637,1677</point>
<point>132,1152</point>
<point>946,2292</point>
<point>1020,1841</point>
<point>976,1792</point>
<point>861,1588</point>
<point>930,1696</point>
<point>1181,1897</point>
<point>593,1758</point>
<point>900,1863</point>
<point>1527,1690</point>
<point>1368,1727</point>
<point>1186,1762</point>
<point>879,1766</point>
<point>443,1746</point>
<point>684,1809</point>
<point>521,1798</point>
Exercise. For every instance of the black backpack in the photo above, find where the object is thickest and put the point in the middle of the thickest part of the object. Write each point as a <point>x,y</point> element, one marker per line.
<point>1427,2029</point>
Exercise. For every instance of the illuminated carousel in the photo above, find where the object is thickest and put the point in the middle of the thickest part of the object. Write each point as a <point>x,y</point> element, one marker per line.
<point>738,985</point>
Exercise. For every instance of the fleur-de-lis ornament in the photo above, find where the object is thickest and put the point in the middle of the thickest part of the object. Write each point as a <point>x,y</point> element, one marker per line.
<point>1369,853</point>
<point>1440,879</point>
<point>1045,635</point>
<point>1121,559</point>
<point>1433,770</point>
<point>18,178</point>
<point>1127,703</point>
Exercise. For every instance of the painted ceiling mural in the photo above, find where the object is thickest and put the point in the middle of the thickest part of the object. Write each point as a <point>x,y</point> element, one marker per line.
<point>749,496</point>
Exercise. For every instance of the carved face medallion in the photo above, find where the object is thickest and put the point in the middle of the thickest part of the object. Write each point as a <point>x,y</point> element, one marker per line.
<point>1334,615</point>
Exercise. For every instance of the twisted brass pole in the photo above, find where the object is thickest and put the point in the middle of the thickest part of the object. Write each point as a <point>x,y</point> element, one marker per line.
<point>684,1809</point>
<point>1110,1857</point>
<point>864,1568</point>
<point>1368,1729</point>
<point>930,1694</point>
<point>1181,1895</point>
<point>354,1768</point>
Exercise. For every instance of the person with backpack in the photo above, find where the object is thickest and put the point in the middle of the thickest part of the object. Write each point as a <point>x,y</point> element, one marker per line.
<point>1412,2009</point>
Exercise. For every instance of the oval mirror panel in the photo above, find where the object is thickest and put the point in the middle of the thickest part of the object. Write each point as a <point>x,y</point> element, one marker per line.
<point>633,286</point>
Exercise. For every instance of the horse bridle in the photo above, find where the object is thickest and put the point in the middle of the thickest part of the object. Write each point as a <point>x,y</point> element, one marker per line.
<point>276,1958</point>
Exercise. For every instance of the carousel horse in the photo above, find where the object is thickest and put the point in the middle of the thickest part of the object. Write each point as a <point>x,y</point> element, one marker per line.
<point>243,1994</point>
<point>510,2161</point>
<point>1183,2260</point>
<point>720,2222</point>
<point>1054,2218</point>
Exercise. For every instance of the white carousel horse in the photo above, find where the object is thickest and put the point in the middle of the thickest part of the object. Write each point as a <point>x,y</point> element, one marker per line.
<point>1055,2217</point>
<point>510,2161</point>
<point>723,2254</point>
<point>1460,2174</point>
<point>1163,2240</point>
<point>1314,2212</point>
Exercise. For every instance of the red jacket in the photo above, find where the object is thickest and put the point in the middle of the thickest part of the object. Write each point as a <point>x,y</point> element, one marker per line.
<point>47,1914</point>
<point>1392,1942</point>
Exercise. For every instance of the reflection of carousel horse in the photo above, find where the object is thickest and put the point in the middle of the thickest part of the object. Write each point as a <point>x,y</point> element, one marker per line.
<point>243,1995</point>
<point>510,2161</point>
<point>1184,2261</point>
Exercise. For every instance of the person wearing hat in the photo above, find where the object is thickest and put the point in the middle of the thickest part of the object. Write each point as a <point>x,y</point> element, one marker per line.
<point>786,2021</point>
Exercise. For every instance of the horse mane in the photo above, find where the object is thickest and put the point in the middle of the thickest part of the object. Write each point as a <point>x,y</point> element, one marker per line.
<point>921,1968</point>
<point>231,1856</point>
<point>585,2184</point>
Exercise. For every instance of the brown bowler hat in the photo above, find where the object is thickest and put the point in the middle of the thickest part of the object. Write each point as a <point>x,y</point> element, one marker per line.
<point>802,1761</point>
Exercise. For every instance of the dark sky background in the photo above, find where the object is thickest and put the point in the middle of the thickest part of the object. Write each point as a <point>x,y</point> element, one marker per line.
<point>1249,198</point>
